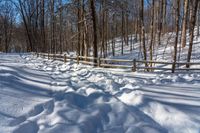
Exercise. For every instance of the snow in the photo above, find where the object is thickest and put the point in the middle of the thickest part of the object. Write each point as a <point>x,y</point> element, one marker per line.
<point>38,95</point>
<point>45,96</point>
<point>163,52</point>
<point>132,98</point>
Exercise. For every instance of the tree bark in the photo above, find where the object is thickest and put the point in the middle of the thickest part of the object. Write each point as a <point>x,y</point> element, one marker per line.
<point>143,31</point>
<point>177,34</point>
<point>192,26</point>
<point>152,32</point>
<point>184,25</point>
<point>93,10</point>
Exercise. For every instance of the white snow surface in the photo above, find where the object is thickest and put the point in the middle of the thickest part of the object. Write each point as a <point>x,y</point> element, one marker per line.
<point>45,96</point>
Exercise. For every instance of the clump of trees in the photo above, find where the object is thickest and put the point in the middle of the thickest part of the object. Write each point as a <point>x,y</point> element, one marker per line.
<point>83,26</point>
<point>7,22</point>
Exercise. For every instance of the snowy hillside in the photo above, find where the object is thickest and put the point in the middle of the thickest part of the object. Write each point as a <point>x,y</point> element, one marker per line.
<point>44,96</point>
<point>164,52</point>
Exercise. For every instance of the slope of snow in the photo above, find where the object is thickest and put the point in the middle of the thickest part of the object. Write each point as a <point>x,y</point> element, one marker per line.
<point>45,96</point>
<point>163,52</point>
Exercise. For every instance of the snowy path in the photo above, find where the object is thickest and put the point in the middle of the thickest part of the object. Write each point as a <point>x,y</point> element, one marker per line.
<point>41,96</point>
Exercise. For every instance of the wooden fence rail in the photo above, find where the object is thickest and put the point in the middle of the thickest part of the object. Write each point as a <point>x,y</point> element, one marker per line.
<point>134,65</point>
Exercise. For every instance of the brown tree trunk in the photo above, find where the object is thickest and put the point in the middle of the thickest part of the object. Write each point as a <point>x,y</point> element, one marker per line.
<point>198,19</point>
<point>177,33</point>
<point>113,35</point>
<point>143,31</point>
<point>192,26</point>
<point>60,26</point>
<point>42,24</point>
<point>160,22</point>
<point>103,29</point>
<point>79,29</point>
<point>53,45</point>
<point>93,10</point>
<point>184,25</point>
<point>122,35</point>
<point>152,32</point>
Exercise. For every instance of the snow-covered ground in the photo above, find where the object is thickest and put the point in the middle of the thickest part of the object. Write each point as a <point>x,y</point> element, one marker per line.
<point>163,52</point>
<point>44,96</point>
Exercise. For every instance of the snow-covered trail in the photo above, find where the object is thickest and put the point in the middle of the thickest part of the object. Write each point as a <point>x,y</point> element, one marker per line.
<point>44,96</point>
<point>22,91</point>
<point>172,100</point>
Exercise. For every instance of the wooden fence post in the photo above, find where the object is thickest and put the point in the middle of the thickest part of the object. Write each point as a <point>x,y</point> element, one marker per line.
<point>78,59</point>
<point>134,65</point>
<point>54,56</point>
<point>173,67</point>
<point>65,58</point>
<point>48,55</point>
<point>99,62</point>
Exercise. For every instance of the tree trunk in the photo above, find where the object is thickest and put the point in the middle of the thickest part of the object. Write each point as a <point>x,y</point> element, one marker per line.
<point>122,35</point>
<point>192,26</point>
<point>44,48</point>
<point>95,51</point>
<point>198,20</point>
<point>143,31</point>
<point>152,32</point>
<point>79,29</point>
<point>184,25</point>
<point>53,45</point>
<point>60,26</point>
<point>177,33</point>
<point>160,22</point>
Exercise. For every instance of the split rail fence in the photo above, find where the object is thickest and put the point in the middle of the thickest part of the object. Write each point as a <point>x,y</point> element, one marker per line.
<point>134,65</point>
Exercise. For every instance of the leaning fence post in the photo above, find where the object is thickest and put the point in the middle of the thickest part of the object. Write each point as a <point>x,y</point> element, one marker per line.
<point>134,65</point>
<point>65,58</point>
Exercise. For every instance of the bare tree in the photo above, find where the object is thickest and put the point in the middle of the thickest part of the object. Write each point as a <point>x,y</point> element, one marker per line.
<point>7,18</point>
<point>184,24</point>
<point>152,31</point>
<point>93,11</point>
<point>177,34</point>
<point>192,25</point>
<point>143,30</point>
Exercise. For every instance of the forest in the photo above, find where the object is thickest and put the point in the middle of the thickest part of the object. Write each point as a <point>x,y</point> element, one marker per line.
<point>99,66</point>
<point>82,26</point>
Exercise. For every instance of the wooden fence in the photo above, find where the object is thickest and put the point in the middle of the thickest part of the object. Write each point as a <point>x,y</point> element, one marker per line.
<point>134,65</point>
